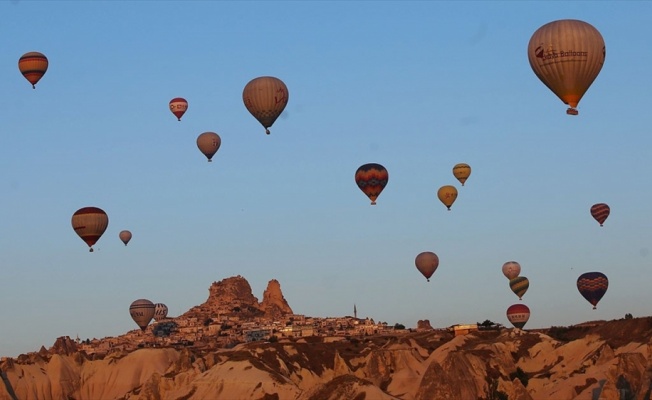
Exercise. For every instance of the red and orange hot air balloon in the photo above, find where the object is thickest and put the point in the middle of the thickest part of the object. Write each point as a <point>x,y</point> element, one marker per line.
<point>178,106</point>
<point>265,98</point>
<point>567,55</point>
<point>600,212</point>
<point>90,223</point>
<point>518,315</point>
<point>371,179</point>
<point>33,66</point>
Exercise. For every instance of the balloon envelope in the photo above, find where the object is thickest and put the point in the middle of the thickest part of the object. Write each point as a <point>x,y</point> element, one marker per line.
<point>125,236</point>
<point>518,315</point>
<point>462,172</point>
<point>519,285</point>
<point>600,212</point>
<point>90,223</point>
<point>265,98</point>
<point>447,195</point>
<point>208,143</point>
<point>427,263</point>
<point>592,286</point>
<point>33,66</point>
<point>178,106</point>
<point>511,269</point>
<point>142,311</point>
<point>567,55</point>
<point>160,311</point>
<point>371,179</point>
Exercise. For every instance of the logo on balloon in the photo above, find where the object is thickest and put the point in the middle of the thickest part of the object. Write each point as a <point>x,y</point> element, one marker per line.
<point>551,54</point>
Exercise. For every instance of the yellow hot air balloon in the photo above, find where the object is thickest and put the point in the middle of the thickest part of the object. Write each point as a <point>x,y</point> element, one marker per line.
<point>462,172</point>
<point>567,55</point>
<point>265,98</point>
<point>90,223</point>
<point>447,195</point>
<point>208,143</point>
<point>33,66</point>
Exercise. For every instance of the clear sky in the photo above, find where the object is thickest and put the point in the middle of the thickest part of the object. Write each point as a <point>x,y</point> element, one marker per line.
<point>415,86</point>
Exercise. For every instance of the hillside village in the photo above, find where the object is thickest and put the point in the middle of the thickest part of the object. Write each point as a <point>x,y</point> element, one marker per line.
<point>231,315</point>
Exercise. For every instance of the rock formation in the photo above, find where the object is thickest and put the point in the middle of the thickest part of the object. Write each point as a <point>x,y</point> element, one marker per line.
<point>64,346</point>
<point>230,293</point>
<point>234,296</point>
<point>274,304</point>
<point>424,325</point>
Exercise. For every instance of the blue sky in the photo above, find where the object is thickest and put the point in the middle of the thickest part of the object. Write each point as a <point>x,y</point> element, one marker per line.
<point>415,86</point>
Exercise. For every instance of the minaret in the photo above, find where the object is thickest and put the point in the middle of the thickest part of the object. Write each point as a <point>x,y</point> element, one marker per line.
<point>355,311</point>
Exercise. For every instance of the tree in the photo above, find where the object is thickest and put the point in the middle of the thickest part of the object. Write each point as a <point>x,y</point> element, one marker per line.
<point>398,326</point>
<point>628,316</point>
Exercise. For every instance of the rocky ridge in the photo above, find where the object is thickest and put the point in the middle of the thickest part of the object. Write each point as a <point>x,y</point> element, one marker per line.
<point>583,362</point>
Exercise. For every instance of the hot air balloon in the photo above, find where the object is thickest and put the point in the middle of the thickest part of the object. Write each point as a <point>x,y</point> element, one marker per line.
<point>160,311</point>
<point>447,195</point>
<point>592,286</point>
<point>511,269</point>
<point>90,223</point>
<point>265,98</point>
<point>209,143</point>
<point>518,315</point>
<point>178,106</point>
<point>600,212</point>
<point>519,285</point>
<point>33,66</point>
<point>142,311</point>
<point>462,172</point>
<point>372,179</point>
<point>427,263</point>
<point>125,236</point>
<point>567,55</point>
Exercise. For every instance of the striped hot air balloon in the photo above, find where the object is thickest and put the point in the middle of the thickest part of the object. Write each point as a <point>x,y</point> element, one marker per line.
<point>518,315</point>
<point>142,312</point>
<point>33,66</point>
<point>592,286</point>
<point>90,223</point>
<point>178,106</point>
<point>519,286</point>
<point>567,55</point>
<point>462,172</point>
<point>600,212</point>
<point>371,179</point>
<point>265,98</point>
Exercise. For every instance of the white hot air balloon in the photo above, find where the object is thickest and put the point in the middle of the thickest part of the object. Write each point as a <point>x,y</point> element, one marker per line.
<point>160,312</point>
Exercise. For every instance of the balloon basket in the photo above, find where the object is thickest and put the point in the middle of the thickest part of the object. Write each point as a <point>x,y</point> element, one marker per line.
<point>572,111</point>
